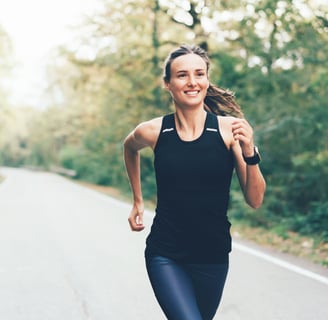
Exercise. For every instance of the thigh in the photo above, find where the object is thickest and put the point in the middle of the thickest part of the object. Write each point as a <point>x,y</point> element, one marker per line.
<point>208,281</point>
<point>173,289</point>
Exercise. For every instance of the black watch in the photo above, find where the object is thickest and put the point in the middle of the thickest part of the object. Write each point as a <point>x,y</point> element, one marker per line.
<point>255,159</point>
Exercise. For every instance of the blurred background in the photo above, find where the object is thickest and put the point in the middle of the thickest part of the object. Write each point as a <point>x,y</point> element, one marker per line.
<point>77,75</point>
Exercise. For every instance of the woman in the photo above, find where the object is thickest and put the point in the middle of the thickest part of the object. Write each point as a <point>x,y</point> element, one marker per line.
<point>196,149</point>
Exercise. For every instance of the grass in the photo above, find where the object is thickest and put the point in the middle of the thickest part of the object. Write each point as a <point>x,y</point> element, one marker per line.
<point>310,248</point>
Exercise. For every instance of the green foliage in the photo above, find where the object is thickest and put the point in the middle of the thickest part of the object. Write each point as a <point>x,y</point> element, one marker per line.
<point>268,52</point>
<point>88,166</point>
<point>5,71</point>
<point>314,222</point>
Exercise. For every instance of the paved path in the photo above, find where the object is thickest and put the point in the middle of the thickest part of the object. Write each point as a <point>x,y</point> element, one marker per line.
<point>66,253</point>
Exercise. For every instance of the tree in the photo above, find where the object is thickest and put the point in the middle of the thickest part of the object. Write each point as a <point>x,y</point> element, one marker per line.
<point>272,53</point>
<point>5,70</point>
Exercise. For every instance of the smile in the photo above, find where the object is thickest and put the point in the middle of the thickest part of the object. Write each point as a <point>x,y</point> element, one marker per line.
<point>192,93</point>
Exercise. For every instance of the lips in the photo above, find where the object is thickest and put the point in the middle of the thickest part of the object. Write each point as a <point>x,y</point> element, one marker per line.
<point>192,92</point>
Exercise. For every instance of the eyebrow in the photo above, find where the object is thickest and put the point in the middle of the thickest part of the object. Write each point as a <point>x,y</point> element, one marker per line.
<point>197,70</point>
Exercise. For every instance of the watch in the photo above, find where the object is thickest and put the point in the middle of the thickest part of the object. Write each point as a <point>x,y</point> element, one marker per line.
<point>255,159</point>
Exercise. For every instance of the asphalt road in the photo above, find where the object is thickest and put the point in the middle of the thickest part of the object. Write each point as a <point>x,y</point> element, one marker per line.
<point>66,253</point>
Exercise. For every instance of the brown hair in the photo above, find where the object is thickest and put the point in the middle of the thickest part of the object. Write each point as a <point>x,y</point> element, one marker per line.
<point>218,101</point>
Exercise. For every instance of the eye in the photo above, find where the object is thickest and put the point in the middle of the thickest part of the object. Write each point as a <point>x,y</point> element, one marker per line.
<point>200,74</point>
<point>181,75</point>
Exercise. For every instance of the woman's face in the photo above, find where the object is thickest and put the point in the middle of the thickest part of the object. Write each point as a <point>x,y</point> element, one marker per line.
<point>189,81</point>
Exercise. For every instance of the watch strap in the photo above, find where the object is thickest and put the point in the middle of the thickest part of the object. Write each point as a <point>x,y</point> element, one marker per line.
<point>255,159</point>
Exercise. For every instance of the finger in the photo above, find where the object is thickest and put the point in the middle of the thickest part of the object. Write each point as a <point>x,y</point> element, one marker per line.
<point>239,130</point>
<point>243,125</point>
<point>135,225</point>
<point>139,219</point>
<point>240,134</point>
<point>239,123</point>
<point>138,227</point>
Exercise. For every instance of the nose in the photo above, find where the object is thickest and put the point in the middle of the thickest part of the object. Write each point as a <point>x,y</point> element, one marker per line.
<point>191,81</point>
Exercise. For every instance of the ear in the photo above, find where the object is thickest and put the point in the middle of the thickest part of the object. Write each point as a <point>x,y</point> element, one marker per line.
<point>167,86</point>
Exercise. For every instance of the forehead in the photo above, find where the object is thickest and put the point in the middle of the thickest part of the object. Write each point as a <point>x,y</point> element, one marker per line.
<point>187,62</point>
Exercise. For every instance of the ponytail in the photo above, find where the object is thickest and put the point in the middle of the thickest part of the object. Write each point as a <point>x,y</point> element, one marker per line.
<point>221,102</point>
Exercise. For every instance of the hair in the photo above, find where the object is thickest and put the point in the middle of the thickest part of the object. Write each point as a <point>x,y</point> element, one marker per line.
<point>218,100</point>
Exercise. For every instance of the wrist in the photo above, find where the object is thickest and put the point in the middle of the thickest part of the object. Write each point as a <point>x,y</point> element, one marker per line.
<point>247,149</point>
<point>254,157</point>
<point>138,199</point>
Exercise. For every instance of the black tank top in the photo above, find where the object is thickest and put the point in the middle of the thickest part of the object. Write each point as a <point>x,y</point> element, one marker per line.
<point>193,182</point>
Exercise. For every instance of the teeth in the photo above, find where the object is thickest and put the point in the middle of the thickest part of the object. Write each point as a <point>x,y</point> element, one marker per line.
<point>191,92</point>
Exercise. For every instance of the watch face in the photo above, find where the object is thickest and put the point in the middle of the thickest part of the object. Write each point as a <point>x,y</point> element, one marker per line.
<point>256,149</point>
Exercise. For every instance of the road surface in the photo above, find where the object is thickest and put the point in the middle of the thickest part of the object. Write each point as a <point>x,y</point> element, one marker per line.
<point>66,253</point>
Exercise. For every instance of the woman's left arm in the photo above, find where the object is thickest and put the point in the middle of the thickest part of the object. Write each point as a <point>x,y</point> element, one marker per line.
<point>250,177</point>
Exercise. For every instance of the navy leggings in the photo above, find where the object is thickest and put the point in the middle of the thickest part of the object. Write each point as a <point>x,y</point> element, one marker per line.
<point>186,291</point>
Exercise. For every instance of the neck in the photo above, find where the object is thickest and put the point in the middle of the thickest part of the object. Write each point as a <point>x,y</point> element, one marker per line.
<point>190,123</point>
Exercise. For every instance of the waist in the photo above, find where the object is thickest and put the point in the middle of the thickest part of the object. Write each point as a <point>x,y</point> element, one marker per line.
<point>215,257</point>
<point>191,202</point>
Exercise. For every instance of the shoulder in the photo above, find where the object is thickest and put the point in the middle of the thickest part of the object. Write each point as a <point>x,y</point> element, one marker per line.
<point>226,121</point>
<point>149,127</point>
<point>225,127</point>
<point>146,133</point>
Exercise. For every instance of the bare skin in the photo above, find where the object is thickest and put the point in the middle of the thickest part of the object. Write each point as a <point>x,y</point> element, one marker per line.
<point>187,86</point>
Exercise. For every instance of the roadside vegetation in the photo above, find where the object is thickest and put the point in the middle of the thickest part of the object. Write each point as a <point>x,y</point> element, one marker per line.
<point>273,54</point>
<point>311,248</point>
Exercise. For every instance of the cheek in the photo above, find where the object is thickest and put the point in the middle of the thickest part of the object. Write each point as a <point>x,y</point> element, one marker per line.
<point>205,85</point>
<point>174,87</point>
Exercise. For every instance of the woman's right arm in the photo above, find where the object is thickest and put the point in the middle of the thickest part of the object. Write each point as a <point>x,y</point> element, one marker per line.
<point>144,135</point>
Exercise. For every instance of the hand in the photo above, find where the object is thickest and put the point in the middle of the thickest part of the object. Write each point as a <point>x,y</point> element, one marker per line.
<point>243,132</point>
<point>136,217</point>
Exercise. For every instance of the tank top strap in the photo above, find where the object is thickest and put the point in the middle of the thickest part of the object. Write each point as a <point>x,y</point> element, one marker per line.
<point>168,123</point>
<point>211,123</point>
